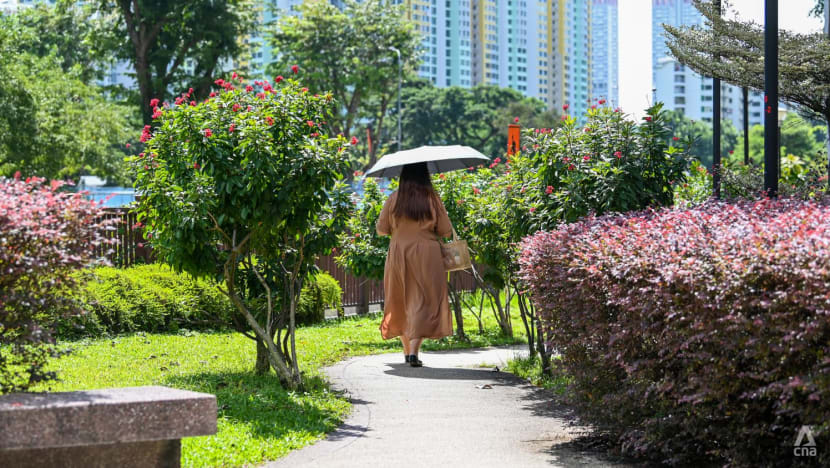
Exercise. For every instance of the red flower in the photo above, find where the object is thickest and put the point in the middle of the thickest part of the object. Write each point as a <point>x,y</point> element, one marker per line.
<point>193,103</point>
<point>648,118</point>
<point>601,101</point>
<point>295,69</point>
<point>269,120</point>
<point>564,117</point>
<point>532,209</point>
<point>127,145</point>
<point>196,165</point>
<point>236,107</point>
<point>249,88</point>
<point>220,82</point>
<point>232,128</point>
<point>618,154</point>
<point>260,95</point>
<point>587,129</point>
<point>675,138</point>
<point>234,75</point>
<point>586,158</point>
<point>493,165</point>
<point>212,94</point>
<point>310,123</point>
<point>476,190</point>
<point>571,167</point>
<point>315,135</point>
<point>154,102</point>
<point>156,113</point>
<point>267,87</point>
<point>305,90</point>
<point>17,175</point>
<point>354,140</point>
<point>442,176</point>
<point>594,106</point>
<point>731,152</point>
<point>278,79</point>
<point>145,134</point>
<point>190,91</point>
<point>497,160</point>
<point>208,133</point>
<point>565,107</point>
<point>516,120</point>
<point>549,189</point>
<point>179,101</point>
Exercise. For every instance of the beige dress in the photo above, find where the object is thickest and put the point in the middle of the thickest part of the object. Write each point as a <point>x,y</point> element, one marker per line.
<point>416,303</point>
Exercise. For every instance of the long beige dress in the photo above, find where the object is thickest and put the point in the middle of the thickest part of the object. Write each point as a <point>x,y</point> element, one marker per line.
<point>416,302</point>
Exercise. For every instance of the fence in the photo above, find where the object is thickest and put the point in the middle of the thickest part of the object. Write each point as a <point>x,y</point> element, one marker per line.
<point>129,247</point>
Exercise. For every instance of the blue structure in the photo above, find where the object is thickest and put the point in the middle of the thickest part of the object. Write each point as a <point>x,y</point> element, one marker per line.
<point>605,59</point>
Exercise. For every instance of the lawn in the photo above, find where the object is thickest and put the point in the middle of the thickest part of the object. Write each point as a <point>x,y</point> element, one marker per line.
<point>257,420</point>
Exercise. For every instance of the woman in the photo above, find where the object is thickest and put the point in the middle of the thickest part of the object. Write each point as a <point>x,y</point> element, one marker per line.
<point>416,305</point>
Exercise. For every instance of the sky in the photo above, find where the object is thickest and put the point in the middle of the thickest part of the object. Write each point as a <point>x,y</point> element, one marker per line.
<point>635,41</point>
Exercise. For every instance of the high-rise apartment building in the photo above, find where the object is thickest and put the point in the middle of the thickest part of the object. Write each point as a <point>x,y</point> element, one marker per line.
<point>679,87</point>
<point>446,52</point>
<point>605,51</point>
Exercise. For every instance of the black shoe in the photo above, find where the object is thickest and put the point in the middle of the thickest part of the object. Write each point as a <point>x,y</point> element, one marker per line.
<point>414,361</point>
<point>406,358</point>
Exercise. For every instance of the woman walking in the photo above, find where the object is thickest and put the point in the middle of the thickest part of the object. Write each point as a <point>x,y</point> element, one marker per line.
<point>414,280</point>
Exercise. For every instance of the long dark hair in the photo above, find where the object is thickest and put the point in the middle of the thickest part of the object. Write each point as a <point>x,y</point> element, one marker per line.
<point>415,193</point>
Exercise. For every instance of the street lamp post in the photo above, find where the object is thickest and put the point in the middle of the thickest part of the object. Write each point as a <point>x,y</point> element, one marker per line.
<point>716,114</point>
<point>400,78</point>
<point>771,97</point>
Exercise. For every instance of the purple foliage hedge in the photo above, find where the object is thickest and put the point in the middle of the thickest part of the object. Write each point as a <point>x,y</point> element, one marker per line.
<point>697,335</point>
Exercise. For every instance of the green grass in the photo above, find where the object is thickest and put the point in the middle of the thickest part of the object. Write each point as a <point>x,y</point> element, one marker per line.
<point>257,419</point>
<point>530,369</point>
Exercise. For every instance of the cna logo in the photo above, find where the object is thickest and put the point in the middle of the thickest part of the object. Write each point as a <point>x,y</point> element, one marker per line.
<point>805,448</point>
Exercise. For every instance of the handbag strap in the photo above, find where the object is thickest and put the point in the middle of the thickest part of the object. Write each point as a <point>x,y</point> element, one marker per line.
<point>454,234</point>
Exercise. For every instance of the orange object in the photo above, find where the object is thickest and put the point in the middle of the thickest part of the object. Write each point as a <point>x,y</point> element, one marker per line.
<point>513,139</point>
<point>369,138</point>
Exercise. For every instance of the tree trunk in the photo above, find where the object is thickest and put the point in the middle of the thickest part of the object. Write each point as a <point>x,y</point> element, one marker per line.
<point>459,314</point>
<point>543,351</point>
<point>262,365</point>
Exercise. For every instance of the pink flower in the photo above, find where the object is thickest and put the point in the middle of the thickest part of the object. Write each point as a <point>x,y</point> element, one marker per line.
<point>497,160</point>
<point>305,90</point>
<point>234,75</point>
<point>618,154</point>
<point>565,107</point>
<point>532,209</point>
<point>564,117</point>
<point>17,175</point>
<point>249,88</point>
<point>594,106</point>
<point>586,158</point>
<point>190,91</point>
<point>208,132</point>
<point>354,140</point>
<point>127,145</point>
<point>315,135</point>
<point>278,79</point>
<point>145,134</point>
<point>310,123</point>
<point>156,113</point>
<point>516,120</point>
<point>231,128</point>
<point>549,189</point>
<point>220,82</point>
<point>193,103</point>
<point>601,101</point>
<point>212,94</point>
<point>523,189</point>
<point>154,102</point>
<point>295,69</point>
<point>476,191</point>
<point>236,107</point>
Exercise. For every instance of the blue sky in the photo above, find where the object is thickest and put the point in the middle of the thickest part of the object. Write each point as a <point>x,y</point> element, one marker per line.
<point>635,41</point>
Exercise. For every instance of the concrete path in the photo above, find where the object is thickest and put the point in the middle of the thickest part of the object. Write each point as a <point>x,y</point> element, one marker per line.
<point>449,413</point>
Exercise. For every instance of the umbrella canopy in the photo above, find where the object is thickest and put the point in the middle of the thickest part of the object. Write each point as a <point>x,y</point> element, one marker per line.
<point>438,159</point>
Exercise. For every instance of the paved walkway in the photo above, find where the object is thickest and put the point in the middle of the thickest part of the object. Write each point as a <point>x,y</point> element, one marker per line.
<point>450,413</point>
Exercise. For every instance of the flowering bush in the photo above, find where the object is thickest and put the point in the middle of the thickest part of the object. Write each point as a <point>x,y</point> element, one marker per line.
<point>45,234</point>
<point>693,335</point>
<point>610,164</point>
<point>244,186</point>
<point>362,250</point>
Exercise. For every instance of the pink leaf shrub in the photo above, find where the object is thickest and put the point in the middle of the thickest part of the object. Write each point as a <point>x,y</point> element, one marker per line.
<point>45,234</point>
<point>694,336</point>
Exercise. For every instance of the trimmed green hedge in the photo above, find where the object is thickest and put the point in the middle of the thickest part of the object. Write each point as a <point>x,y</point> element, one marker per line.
<point>154,298</point>
<point>320,292</point>
<point>151,298</point>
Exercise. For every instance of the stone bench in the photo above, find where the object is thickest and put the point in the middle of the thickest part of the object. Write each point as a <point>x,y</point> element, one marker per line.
<point>118,427</point>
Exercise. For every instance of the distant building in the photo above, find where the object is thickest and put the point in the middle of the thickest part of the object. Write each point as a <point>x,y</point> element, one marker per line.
<point>446,47</point>
<point>605,51</point>
<point>679,87</point>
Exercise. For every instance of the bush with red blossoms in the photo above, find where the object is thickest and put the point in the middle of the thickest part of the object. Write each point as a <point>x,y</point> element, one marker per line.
<point>694,336</point>
<point>242,187</point>
<point>45,235</point>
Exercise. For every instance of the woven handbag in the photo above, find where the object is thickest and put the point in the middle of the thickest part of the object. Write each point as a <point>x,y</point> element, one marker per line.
<point>456,254</point>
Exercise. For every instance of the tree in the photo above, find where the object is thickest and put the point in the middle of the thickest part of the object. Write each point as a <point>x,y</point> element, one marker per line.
<point>66,30</point>
<point>350,53</point>
<point>804,59</point>
<point>799,137</point>
<point>476,117</point>
<point>54,124</point>
<point>243,187</point>
<point>700,134</point>
<point>176,42</point>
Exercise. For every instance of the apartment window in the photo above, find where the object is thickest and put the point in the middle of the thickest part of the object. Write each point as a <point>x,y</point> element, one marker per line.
<point>679,89</point>
<point>679,78</point>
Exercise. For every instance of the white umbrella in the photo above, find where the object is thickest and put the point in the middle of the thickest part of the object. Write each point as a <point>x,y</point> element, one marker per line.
<point>438,159</point>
